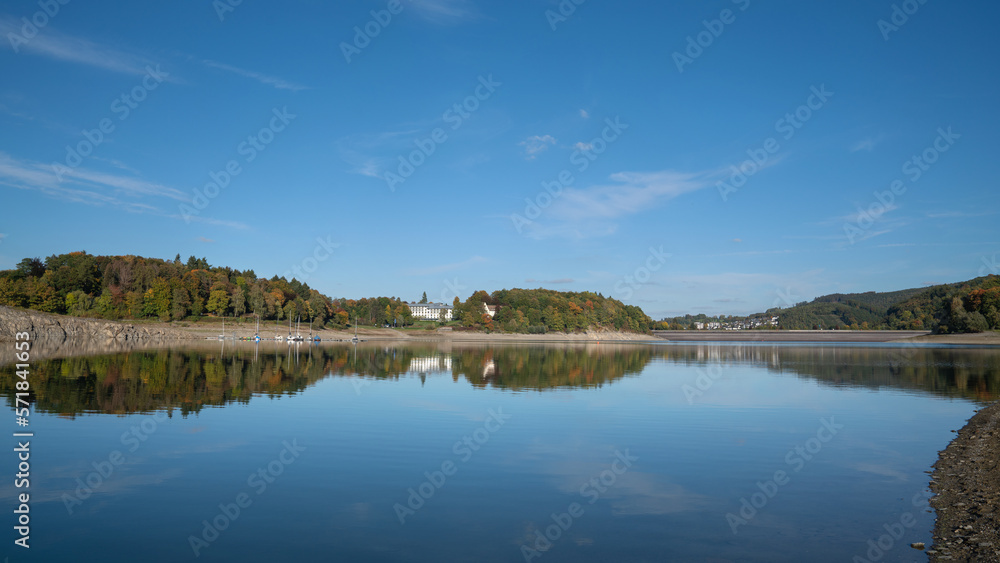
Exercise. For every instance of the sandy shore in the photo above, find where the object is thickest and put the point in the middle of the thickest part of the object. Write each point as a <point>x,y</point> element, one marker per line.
<point>199,330</point>
<point>966,480</point>
<point>788,335</point>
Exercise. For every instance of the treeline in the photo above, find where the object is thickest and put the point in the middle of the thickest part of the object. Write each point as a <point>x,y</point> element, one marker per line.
<point>539,311</point>
<point>971,306</point>
<point>845,314</point>
<point>134,287</point>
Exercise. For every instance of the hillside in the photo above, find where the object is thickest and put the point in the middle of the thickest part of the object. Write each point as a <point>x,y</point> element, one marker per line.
<point>970,306</point>
<point>134,287</point>
<point>538,311</point>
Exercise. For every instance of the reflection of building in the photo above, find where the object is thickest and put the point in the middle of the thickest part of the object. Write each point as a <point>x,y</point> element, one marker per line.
<point>429,364</point>
<point>490,369</point>
<point>430,311</point>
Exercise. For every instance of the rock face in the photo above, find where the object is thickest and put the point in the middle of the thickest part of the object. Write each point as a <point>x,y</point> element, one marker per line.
<point>58,328</point>
<point>967,482</point>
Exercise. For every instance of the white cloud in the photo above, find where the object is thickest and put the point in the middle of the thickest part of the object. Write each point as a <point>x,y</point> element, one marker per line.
<point>593,212</point>
<point>82,185</point>
<point>278,83</point>
<point>445,11</point>
<point>536,144</point>
<point>866,144</point>
<point>583,146</point>
<point>631,192</point>
<point>62,47</point>
<point>584,114</point>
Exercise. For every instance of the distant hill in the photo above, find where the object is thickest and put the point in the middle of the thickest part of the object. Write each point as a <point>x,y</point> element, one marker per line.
<point>971,306</point>
<point>538,311</point>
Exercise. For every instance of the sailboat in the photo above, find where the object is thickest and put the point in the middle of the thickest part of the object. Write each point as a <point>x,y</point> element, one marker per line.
<point>298,335</point>
<point>355,339</point>
<point>256,334</point>
<point>223,335</point>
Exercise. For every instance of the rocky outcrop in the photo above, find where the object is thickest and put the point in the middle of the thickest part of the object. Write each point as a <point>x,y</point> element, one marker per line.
<point>967,482</point>
<point>58,328</point>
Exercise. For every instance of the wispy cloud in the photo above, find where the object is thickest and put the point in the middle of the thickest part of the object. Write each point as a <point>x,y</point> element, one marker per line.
<point>62,47</point>
<point>958,214</point>
<point>593,211</point>
<point>445,12</point>
<point>445,267</point>
<point>867,144</point>
<point>536,144</point>
<point>553,282</point>
<point>631,192</point>
<point>207,240</point>
<point>210,221</point>
<point>278,83</point>
<point>584,114</point>
<point>82,185</point>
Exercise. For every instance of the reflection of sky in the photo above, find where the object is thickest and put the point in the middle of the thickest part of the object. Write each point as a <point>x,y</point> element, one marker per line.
<point>365,446</point>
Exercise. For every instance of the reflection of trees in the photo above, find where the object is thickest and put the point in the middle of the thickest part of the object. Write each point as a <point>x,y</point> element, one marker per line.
<point>547,367</point>
<point>972,373</point>
<point>189,377</point>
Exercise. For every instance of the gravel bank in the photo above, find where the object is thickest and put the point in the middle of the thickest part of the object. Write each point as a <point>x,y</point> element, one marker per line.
<point>966,481</point>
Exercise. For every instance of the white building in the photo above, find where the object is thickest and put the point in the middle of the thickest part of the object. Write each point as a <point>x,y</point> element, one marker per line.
<point>430,311</point>
<point>430,364</point>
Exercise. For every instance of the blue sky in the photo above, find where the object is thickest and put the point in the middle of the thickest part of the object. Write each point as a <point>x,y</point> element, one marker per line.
<point>637,115</point>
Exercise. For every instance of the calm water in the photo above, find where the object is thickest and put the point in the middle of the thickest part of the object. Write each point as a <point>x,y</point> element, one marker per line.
<point>476,453</point>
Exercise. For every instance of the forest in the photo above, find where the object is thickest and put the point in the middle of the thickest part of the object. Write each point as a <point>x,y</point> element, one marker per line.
<point>538,311</point>
<point>134,287</point>
<point>971,306</point>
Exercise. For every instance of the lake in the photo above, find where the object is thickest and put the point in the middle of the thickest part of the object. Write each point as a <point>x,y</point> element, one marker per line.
<point>491,452</point>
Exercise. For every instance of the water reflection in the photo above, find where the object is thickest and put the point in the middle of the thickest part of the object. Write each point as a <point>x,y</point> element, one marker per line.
<point>191,376</point>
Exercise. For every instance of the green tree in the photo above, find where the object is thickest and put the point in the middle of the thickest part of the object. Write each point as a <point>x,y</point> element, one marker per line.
<point>423,299</point>
<point>218,301</point>
<point>238,301</point>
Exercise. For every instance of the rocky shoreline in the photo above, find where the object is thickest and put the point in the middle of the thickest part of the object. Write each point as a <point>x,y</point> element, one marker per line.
<point>59,328</point>
<point>966,483</point>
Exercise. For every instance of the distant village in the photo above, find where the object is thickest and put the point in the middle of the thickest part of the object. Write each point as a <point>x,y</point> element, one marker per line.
<point>749,323</point>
